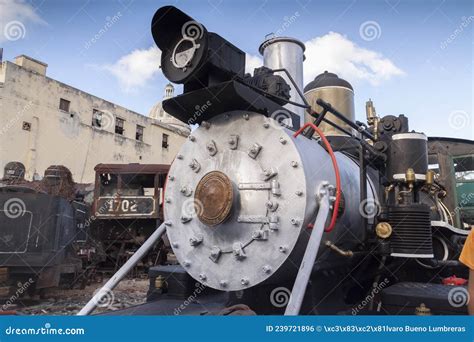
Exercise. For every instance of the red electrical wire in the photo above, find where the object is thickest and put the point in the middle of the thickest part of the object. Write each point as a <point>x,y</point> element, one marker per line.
<point>336,171</point>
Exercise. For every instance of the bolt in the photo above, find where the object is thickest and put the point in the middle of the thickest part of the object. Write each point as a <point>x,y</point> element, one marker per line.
<point>294,163</point>
<point>295,221</point>
<point>283,140</point>
<point>171,178</point>
<point>168,223</point>
<point>223,283</point>
<point>202,277</point>
<point>179,156</point>
<point>267,269</point>
<point>246,116</point>
<point>283,249</point>
<point>266,125</point>
<point>168,200</point>
<point>244,281</point>
<point>185,219</point>
<point>192,138</point>
<point>175,245</point>
<point>186,263</point>
<point>299,193</point>
<point>205,124</point>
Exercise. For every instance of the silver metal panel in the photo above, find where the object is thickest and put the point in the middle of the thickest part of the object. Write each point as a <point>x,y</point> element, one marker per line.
<point>267,229</point>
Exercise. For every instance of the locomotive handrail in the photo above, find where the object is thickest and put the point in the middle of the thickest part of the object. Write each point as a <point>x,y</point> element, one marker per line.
<point>301,282</point>
<point>123,271</point>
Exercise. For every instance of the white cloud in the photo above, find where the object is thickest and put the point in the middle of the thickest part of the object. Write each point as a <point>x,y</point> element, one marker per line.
<point>335,53</point>
<point>136,69</point>
<point>17,11</point>
<point>252,62</point>
<point>332,52</point>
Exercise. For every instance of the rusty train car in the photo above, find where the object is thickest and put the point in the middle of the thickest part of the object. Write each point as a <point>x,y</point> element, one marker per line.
<point>40,221</point>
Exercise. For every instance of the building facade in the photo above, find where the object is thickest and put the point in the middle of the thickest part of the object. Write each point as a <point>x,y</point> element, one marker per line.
<point>45,122</point>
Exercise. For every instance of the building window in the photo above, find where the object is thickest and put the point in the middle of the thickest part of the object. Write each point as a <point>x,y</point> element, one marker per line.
<point>64,105</point>
<point>139,134</point>
<point>97,118</point>
<point>119,126</point>
<point>164,142</point>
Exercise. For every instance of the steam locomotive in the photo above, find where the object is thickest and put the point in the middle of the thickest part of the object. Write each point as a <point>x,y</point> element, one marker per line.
<point>282,201</point>
<point>40,223</point>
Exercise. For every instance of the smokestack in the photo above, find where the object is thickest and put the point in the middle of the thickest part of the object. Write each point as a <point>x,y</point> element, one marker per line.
<point>287,53</point>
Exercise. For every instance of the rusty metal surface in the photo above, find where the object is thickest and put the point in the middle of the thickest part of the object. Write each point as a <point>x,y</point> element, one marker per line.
<point>214,196</point>
<point>132,168</point>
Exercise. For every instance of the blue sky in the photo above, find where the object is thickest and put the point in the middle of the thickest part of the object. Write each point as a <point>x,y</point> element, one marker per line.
<point>410,57</point>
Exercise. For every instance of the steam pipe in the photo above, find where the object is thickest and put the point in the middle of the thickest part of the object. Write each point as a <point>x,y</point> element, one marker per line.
<point>340,116</point>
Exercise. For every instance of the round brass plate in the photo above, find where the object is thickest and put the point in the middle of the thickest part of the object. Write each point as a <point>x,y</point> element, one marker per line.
<point>213,198</point>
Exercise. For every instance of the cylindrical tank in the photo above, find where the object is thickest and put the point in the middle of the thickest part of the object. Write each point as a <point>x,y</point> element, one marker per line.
<point>287,53</point>
<point>338,92</point>
<point>241,195</point>
<point>407,151</point>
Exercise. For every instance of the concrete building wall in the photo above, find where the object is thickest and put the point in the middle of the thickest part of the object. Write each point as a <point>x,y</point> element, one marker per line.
<point>36,132</point>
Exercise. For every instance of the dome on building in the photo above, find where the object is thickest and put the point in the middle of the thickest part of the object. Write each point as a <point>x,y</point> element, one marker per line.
<point>157,112</point>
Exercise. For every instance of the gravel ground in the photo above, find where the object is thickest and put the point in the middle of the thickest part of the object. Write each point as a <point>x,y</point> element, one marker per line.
<point>68,302</point>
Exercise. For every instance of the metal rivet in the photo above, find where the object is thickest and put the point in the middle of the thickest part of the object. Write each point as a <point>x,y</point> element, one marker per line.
<point>205,124</point>
<point>294,163</point>
<point>175,244</point>
<point>244,281</point>
<point>192,138</point>
<point>179,156</point>
<point>223,283</point>
<point>267,269</point>
<point>202,277</point>
<point>168,200</point>
<point>171,178</point>
<point>266,125</point>
<point>168,223</point>
<point>186,263</point>
<point>283,249</point>
<point>186,219</point>
<point>295,221</point>
<point>299,193</point>
<point>283,140</point>
<point>246,116</point>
